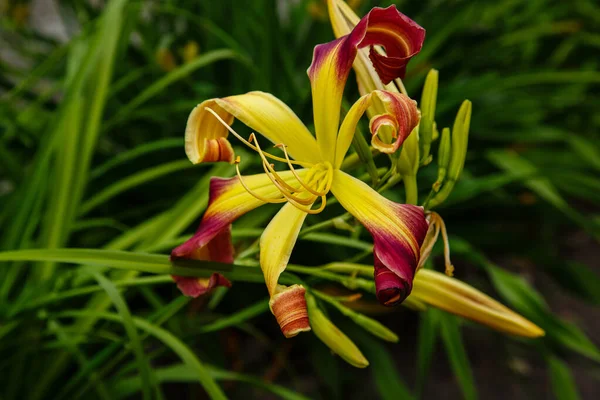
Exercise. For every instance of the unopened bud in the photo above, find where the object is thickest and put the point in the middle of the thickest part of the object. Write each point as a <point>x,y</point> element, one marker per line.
<point>457,297</point>
<point>428,103</point>
<point>334,338</point>
<point>443,158</point>
<point>459,143</point>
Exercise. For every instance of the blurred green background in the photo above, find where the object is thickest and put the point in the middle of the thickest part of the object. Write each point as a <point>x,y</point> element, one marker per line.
<point>94,97</point>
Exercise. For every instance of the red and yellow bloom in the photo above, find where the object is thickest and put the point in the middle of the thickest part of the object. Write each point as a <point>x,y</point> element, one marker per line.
<point>398,230</point>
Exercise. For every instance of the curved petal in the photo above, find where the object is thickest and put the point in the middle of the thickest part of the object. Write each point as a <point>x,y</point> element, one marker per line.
<point>277,243</point>
<point>206,136</point>
<point>229,200</point>
<point>398,231</point>
<point>401,37</point>
<point>399,116</point>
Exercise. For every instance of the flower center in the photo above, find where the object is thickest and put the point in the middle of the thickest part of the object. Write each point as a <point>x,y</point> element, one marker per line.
<point>305,187</point>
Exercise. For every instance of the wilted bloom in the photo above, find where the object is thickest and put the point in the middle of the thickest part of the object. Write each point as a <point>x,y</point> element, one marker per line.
<point>314,165</point>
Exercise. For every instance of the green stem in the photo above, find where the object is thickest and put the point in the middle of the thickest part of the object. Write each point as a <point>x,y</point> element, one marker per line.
<point>410,185</point>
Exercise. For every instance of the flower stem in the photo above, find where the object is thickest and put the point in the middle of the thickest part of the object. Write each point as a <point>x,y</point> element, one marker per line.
<point>410,185</point>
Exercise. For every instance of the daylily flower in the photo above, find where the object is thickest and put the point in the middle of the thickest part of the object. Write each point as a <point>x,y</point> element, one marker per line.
<point>398,230</point>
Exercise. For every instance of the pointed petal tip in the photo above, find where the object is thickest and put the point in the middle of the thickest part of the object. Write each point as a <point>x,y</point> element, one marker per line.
<point>289,308</point>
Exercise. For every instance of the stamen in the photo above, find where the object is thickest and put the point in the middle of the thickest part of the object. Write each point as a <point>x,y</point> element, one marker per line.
<point>251,192</point>
<point>308,210</point>
<point>269,167</point>
<point>234,133</point>
<point>304,185</point>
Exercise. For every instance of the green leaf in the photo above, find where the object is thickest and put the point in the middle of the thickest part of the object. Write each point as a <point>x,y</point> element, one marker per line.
<point>457,355</point>
<point>428,333</point>
<point>136,152</point>
<point>525,299</point>
<point>202,374</point>
<point>137,179</point>
<point>68,343</point>
<point>513,163</point>
<point>182,373</point>
<point>388,381</point>
<point>561,379</point>
<point>238,317</point>
<point>162,84</point>
<point>134,339</point>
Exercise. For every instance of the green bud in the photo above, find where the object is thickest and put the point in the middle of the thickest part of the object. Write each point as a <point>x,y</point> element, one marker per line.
<point>459,143</point>
<point>443,158</point>
<point>436,134</point>
<point>460,140</point>
<point>333,338</point>
<point>408,162</point>
<point>428,103</point>
<point>369,324</point>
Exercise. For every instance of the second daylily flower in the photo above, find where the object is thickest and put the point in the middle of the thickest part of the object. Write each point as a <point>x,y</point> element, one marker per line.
<point>398,230</point>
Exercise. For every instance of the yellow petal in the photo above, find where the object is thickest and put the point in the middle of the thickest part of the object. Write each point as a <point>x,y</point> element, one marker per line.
<point>206,136</point>
<point>277,243</point>
<point>457,297</point>
<point>272,118</point>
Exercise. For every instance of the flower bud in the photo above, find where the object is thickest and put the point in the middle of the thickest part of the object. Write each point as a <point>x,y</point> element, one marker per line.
<point>459,143</point>
<point>428,103</point>
<point>288,306</point>
<point>457,297</point>
<point>333,338</point>
<point>443,158</point>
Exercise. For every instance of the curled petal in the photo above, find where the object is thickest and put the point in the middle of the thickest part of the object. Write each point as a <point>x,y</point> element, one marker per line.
<point>399,114</point>
<point>400,118</point>
<point>219,248</point>
<point>398,232</point>
<point>401,37</point>
<point>288,306</point>
<point>459,298</point>
<point>206,136</point>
